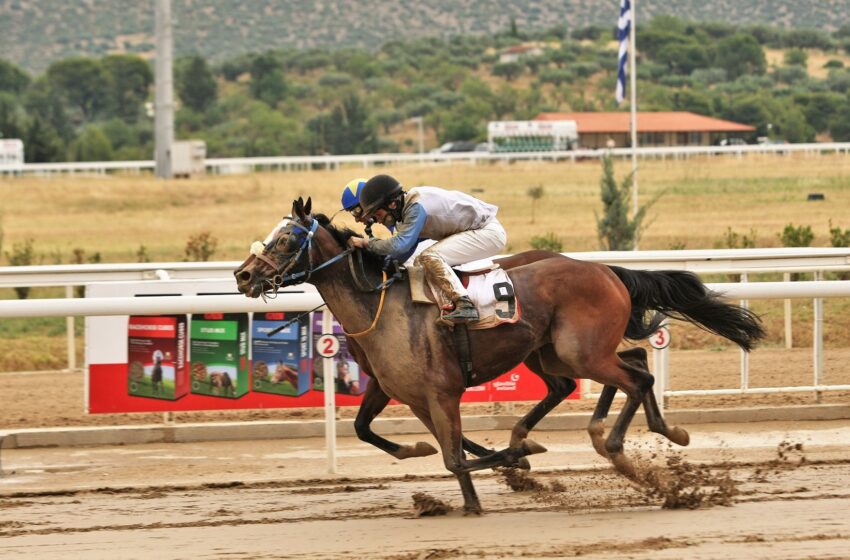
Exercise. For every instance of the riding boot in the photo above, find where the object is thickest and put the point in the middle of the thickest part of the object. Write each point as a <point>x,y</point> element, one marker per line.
<point>462,311</point>
<point>456,307</point>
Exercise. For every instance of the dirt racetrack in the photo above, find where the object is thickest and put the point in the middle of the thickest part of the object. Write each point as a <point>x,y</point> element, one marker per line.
<point>785,486</point>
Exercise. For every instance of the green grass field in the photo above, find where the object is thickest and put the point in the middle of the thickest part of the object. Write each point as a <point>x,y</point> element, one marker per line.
<point>700,200</point>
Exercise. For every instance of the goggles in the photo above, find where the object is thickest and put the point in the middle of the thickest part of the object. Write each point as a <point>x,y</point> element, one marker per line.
<point>356,211</point>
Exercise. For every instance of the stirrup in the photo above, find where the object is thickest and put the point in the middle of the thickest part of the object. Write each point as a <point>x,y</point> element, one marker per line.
<point>463,311</point>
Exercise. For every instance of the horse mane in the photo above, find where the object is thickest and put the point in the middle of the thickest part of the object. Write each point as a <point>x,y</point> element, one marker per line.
<point>342,235</point>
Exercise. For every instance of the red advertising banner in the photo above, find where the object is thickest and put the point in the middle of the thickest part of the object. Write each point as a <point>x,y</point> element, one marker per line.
<point>150,374</point>
<point>108,394</point>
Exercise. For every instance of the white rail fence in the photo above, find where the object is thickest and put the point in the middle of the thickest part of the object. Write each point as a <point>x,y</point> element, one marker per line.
<point>743,262</point>
<point>290,163</point>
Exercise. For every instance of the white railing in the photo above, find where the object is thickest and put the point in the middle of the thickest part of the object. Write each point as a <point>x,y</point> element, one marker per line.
<point>287,163</point>
<point>700,261</point>
<point>731,261</point>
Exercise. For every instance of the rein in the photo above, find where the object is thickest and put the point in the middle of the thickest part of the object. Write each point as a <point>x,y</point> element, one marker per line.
<point>383,287</point>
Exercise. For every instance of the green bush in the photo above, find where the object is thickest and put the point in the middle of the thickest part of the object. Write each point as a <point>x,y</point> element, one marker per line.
<point>548,242</point>
<point>22,255</point>
<point>734,240</point>
<point>199,248</point>
<point>797,236</point>
<point>837,237</point>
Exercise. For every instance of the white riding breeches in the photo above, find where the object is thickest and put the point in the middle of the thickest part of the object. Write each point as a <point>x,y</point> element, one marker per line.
<point>461,248</point>
<point>468,246</point>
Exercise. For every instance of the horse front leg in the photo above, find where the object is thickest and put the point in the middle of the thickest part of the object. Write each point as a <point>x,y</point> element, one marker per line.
<point>374,401</point>
<point>449,436</point>
<point>445,414</point>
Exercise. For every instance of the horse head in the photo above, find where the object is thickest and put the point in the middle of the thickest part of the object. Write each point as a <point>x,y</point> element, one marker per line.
<point>300,246</point>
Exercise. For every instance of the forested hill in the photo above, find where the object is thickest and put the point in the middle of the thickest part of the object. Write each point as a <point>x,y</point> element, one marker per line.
<point>34,33</point>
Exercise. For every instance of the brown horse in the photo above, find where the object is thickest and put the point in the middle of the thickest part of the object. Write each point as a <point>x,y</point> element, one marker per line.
<point>574,316</point>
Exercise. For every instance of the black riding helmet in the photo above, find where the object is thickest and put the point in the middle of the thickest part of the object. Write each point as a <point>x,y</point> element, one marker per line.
<point>379,191</point>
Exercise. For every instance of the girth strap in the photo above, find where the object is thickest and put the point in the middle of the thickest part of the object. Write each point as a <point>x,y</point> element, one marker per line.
<point>464,356</point>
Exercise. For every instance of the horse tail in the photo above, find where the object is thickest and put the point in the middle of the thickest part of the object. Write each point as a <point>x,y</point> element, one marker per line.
<point>682,295</point>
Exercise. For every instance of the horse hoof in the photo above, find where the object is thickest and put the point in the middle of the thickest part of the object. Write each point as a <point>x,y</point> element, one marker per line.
<point>597,438</point>
<point>623,465</point>
<point>531,447</point>
<point>679,436</point>
<point>522,463</point>
<point>472,510</point>
<point>421,449</point>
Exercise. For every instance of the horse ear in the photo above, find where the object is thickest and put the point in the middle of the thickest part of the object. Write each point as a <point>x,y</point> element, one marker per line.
<point>309,206</point>
<point>297,207</point>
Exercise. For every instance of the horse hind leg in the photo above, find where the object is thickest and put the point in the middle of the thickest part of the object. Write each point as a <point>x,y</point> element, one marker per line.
<point>636,358</point>
<point>546,360</point>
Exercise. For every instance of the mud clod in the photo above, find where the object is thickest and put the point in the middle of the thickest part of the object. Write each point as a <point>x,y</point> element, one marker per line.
<point>426,505</point>
<point>684,485</point>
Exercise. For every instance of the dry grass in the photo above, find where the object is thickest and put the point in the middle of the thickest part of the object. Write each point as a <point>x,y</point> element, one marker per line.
<point>115,215</point>
<point>816,59</point>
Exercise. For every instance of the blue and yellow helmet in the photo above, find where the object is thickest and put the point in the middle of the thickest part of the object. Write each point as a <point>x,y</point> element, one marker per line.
<point>351,193</point>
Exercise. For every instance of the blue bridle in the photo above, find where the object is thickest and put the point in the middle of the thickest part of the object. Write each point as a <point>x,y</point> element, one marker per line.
<point>306,243</point>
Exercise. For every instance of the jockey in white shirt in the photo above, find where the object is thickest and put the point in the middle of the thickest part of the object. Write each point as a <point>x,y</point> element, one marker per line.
<point>465,229</point>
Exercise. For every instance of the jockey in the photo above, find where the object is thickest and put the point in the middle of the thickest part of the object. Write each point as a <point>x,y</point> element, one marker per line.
<point>464,228</point>
<point>351,198</point>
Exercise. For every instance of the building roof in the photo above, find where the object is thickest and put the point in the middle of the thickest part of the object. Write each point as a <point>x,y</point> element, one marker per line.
<point>661,121</point>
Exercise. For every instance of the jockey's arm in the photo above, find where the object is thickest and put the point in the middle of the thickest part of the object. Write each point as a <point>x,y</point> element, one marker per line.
<point>406,237</point>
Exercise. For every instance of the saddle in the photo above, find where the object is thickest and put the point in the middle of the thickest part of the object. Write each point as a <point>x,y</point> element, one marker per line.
<point>488,285</point>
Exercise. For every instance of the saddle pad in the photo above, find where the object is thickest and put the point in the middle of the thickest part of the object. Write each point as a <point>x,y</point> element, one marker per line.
<point>492,293</point>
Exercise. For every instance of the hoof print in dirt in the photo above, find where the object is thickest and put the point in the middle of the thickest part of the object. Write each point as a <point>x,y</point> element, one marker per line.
<point>426,506</point>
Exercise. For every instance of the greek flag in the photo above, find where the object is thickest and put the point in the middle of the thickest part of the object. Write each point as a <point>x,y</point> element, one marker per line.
<point>624,27</point>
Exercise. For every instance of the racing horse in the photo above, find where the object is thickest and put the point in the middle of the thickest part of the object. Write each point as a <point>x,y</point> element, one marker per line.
<point>375,400</point>
<point>574,315</point>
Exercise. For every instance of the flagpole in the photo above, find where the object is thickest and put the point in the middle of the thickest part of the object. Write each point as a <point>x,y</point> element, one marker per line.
<point>633,102</point>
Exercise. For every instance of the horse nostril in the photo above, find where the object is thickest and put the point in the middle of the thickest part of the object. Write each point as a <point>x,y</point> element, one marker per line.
<point>243,276</point>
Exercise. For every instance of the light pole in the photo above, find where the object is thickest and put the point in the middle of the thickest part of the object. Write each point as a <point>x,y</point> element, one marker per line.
<point>164,100</point>
<point>420,123</point>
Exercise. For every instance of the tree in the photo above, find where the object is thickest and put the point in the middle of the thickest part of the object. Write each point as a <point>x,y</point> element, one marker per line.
<point>267,81</point>
<point>795,57</point>
<point>129,79</point>
<point>80,81</point>
<point>42,142</point>
<point>11,116</point>
<point>12,78</point>
<point>44,101</point>
<point>740,55</point>
<point>347,129</point>
<point>508,70</point>
<point>91,145</point>
<point>535,193</point>
<point>616,231</point>
<point>195,83</point>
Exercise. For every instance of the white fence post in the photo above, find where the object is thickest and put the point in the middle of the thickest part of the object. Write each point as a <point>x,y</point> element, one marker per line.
<point>330,396</point>
<point>788,329</point>
<point>817,343</point>
<point>69,327</point>
<point>745,356</point>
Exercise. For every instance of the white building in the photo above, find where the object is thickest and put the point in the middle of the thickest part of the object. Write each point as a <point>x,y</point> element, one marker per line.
<point>11,154</point>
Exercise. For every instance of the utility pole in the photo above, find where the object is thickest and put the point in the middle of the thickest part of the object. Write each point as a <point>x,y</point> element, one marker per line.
<point>164,101</point>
